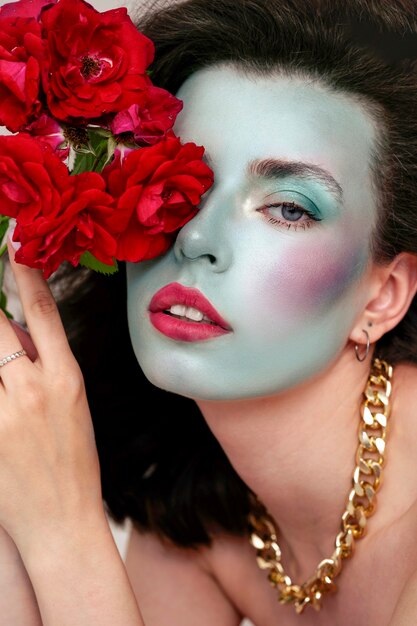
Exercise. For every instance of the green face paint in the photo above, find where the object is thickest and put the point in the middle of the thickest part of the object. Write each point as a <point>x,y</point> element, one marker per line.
<point>281,241</point>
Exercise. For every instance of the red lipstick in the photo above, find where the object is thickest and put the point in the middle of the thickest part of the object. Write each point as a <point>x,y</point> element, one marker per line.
<point>179,326</point>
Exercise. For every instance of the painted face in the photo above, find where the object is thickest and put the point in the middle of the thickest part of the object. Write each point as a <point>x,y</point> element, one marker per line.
<point>279,248</point>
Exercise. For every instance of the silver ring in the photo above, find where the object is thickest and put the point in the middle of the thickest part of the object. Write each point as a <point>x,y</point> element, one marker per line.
<point>368,344</point>
<point>12,357</point>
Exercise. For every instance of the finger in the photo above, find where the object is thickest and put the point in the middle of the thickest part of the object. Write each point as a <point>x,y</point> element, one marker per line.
<point>25,339</point>
<point>40,311</point>
<point>10,345</point>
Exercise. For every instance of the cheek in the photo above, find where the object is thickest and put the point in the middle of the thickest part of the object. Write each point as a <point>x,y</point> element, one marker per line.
<point>308,280</point>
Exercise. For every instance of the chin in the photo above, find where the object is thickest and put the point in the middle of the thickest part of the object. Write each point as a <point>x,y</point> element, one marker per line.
<point>213,374</point>
<point>197,384</point>
<point>185,385</point>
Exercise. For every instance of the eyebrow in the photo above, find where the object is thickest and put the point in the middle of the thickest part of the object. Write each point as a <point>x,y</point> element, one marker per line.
<point>276,168</point>
<point>273,168</point>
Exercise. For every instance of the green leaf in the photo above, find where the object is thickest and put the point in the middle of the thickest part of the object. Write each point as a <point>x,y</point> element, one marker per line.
<point>90,261</point>
<point>84,162</point>
<point>101,132</point>
<point>97,154</point>
<point>88,149</point>
<point>3,304</point>
<point>3,297</point>
<point>111,146</point>
<point>4,224</point>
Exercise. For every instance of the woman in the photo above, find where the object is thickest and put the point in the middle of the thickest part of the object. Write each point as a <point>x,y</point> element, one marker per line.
<point>268,313</point>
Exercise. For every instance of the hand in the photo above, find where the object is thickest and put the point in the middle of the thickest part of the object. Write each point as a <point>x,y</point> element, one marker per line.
<point>49,468</point>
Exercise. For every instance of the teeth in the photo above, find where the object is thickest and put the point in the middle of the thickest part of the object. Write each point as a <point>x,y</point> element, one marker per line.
<point>194,314</point>
<point>188,312</point>
<point>178,309</point>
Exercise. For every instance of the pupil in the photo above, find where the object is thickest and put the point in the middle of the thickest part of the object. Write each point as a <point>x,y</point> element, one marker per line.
<point>291,212</point>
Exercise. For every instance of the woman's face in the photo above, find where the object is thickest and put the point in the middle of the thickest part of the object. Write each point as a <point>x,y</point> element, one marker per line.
<point>279,247</point>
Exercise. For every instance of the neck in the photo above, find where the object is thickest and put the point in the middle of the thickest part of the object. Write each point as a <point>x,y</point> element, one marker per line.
<point>296,451</point>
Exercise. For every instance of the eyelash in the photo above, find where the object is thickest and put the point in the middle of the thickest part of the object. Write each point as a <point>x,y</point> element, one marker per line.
<point>288,224</point>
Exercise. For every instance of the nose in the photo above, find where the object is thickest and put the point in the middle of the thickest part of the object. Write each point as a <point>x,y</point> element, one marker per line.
<point>204,238</point>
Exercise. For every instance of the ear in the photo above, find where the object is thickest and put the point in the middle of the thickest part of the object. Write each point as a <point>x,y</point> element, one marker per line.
<point>392,288</point>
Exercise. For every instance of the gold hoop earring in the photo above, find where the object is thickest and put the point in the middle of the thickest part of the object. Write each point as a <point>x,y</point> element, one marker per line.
<point>368,345</point>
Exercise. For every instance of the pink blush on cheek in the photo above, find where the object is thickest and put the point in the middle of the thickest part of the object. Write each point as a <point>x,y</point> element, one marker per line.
<point>312,278</point>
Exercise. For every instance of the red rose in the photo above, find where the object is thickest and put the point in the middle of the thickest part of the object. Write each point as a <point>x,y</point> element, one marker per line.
<point>83,222</point>
<point>21,50</point>
<point>25,8</point>
<point>151,119</point>
<point>46,130</point>
<point>32,178</point>
<point>158,190</point>
<point>59,217</point>
<point>96,61</point>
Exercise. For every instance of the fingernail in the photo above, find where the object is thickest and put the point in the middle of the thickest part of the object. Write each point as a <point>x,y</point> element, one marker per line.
<point>10,231</point>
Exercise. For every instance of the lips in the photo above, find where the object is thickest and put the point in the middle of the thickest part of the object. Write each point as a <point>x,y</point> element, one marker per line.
<point>178,327</point>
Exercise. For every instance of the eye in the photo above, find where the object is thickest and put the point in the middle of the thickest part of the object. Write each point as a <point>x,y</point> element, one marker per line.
<point>289,215</point>
<point>290,211</point>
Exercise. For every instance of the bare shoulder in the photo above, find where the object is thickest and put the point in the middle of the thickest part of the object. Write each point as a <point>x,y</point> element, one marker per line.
<point>175,585</point>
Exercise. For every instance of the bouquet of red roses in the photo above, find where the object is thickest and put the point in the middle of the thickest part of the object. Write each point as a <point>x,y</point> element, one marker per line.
<point>94,173</point>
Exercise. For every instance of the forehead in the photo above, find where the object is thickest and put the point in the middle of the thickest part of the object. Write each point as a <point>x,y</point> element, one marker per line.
<point>240,117</point>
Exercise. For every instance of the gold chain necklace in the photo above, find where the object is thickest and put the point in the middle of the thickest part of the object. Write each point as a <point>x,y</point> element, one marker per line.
<point>375,410</point>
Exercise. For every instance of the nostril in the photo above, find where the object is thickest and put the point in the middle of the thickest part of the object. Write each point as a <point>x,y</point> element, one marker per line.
<point>211,258</point>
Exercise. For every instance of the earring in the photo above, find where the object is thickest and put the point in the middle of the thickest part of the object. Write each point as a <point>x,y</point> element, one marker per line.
<point>368,344</point>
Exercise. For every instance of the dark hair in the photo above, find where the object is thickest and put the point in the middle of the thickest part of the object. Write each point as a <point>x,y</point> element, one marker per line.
<point>167,473</point>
